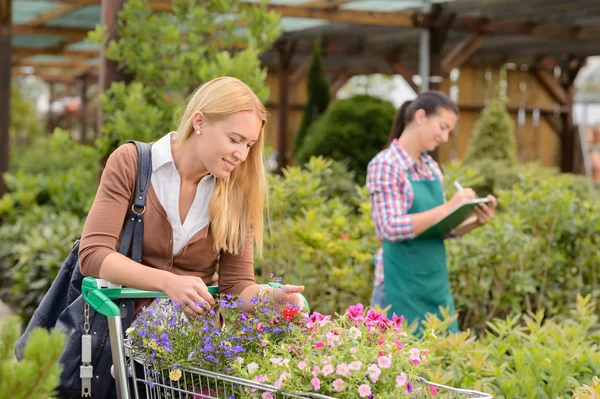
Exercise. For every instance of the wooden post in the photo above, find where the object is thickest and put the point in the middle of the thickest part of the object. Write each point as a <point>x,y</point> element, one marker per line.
<point>569,73</point>
<point>109,71</point>
<point>82,85</point>
<point>286,51</point>
<point>5,66</point>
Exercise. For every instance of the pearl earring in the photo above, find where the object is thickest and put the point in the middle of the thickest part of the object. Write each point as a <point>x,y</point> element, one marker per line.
<point>198,132</point>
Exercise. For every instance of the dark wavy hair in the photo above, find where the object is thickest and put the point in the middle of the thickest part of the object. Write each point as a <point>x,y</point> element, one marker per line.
<point>430,102</point>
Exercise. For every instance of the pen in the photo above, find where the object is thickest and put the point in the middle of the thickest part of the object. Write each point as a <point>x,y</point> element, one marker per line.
<point>458,186</point>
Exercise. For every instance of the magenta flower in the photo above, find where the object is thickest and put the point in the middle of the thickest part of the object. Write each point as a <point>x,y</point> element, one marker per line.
<point>317,318</point>
<point>409,387</point>
<point>356,312</point>
<point>319,345</point>
<point>397,321</point>
<point>399,344</point>
<point>433,391</point>
<point>415,357</point>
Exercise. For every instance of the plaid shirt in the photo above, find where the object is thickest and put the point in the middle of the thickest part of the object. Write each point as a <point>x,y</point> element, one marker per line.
<point>392,195</point>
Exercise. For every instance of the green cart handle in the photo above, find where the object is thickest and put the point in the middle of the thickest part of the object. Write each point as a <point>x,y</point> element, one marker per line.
<point>100,299</point>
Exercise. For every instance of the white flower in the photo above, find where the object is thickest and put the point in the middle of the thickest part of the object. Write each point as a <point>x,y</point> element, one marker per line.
<point>354,333</point>
<point>252,368</point>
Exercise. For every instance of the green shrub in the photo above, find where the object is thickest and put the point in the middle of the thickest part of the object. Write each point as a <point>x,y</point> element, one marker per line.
<point>25,124</point>
<point>526,356</point>
<point>32,250</point>
<point>352,130</point>
<point>37,375</point>
<point>539,252</point>
<point>317,87</point>
<point>321,235</point>
<point>54,171</point>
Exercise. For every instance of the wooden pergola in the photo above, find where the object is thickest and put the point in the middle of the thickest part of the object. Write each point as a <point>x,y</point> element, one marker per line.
<point>359,37</point>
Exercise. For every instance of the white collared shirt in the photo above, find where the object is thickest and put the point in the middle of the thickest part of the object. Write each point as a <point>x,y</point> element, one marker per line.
<point>166,183</point>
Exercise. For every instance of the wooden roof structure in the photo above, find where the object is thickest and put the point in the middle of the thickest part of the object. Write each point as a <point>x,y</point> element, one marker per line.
<point>47,37</point>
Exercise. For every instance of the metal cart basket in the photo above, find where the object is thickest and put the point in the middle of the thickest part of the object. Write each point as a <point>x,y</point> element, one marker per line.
<point>136,379</point>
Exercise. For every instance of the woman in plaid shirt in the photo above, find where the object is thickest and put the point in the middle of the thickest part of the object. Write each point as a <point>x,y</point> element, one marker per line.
<point>405,187</point>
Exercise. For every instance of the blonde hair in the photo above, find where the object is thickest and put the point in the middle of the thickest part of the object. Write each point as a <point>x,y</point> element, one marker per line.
<point>237,205</point>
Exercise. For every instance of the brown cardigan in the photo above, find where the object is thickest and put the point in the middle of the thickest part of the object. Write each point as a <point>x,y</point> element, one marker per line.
<point>197,258</point>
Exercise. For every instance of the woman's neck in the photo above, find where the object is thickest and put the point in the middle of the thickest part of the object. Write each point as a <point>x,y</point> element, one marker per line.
<point>409,142</point>
<point>190,168</point>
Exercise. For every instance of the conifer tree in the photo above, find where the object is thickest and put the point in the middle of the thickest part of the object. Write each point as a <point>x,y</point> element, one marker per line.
<point>37,375</point>
<point>317,87</point>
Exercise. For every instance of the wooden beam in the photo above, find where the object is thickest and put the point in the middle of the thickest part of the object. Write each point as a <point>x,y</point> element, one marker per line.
<point>405,73</point>
<point>57,50</point>
<point>59,11</point>
<point>67,33</point>
<point>515,108</point>
<point>65,65</point>
<point>325,3</point>
<point>462,52</point>
<point>5,55</point>
<point>553,87</point>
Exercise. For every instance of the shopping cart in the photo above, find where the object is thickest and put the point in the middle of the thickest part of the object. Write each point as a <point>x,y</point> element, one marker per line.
<point>136,379</point>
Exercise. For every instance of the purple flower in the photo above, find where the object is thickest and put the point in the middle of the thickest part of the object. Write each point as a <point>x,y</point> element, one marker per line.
<point>409,387</point>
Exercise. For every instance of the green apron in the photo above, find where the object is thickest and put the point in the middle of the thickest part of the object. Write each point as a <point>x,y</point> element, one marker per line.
<point>414,271</point>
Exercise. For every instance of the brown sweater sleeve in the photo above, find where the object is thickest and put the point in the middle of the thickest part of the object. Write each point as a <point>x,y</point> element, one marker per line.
<point>106,217</point>
<point>236,272</point>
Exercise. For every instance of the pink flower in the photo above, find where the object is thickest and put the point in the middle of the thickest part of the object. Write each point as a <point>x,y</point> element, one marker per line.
<point>364,390</point>
<point>355,365</point>
<point>302,365</point>
<point>415,357</point>
<point>401,380</point>
<point>277,361</point>
<point>319,345</point>
<point>259,327</point>
<point>277,384</point>
<point>267,395</point>
<point>338,384</point>
<point>316,383</point>
<point>332,338</point>
<point>377,319</point>
<point>399,344</point>
<point>433,390</point>
<point>317,318</point>
<point>353,350</point>
<point>374,372</point>
<point>316,371</point>
<point>264,342</point>
<point>328,369</point>
<point>342,369</point>
<point>356,312</point>
<point>397,321</point>
<point>380,342</point>
<point>260,378</point>
<point>385,362</point>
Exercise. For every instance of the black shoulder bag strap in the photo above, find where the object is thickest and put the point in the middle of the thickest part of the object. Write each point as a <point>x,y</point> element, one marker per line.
<point>133,232</point>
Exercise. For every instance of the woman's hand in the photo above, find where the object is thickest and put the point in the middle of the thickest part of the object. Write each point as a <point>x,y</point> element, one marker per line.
<point>461,197</point>
<point>289,294</point>
<point>485,212</point>
<point>189,291</point>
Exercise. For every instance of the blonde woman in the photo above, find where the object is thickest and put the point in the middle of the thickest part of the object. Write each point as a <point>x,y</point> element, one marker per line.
<point>204,209</point>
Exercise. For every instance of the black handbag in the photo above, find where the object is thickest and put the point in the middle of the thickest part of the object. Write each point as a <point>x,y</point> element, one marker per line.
<point>62,307</point>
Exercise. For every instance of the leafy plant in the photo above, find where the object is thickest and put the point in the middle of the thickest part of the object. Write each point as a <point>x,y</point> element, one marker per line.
<point>321,235</point>
<point>37,375</point>
<point>527,356</point>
